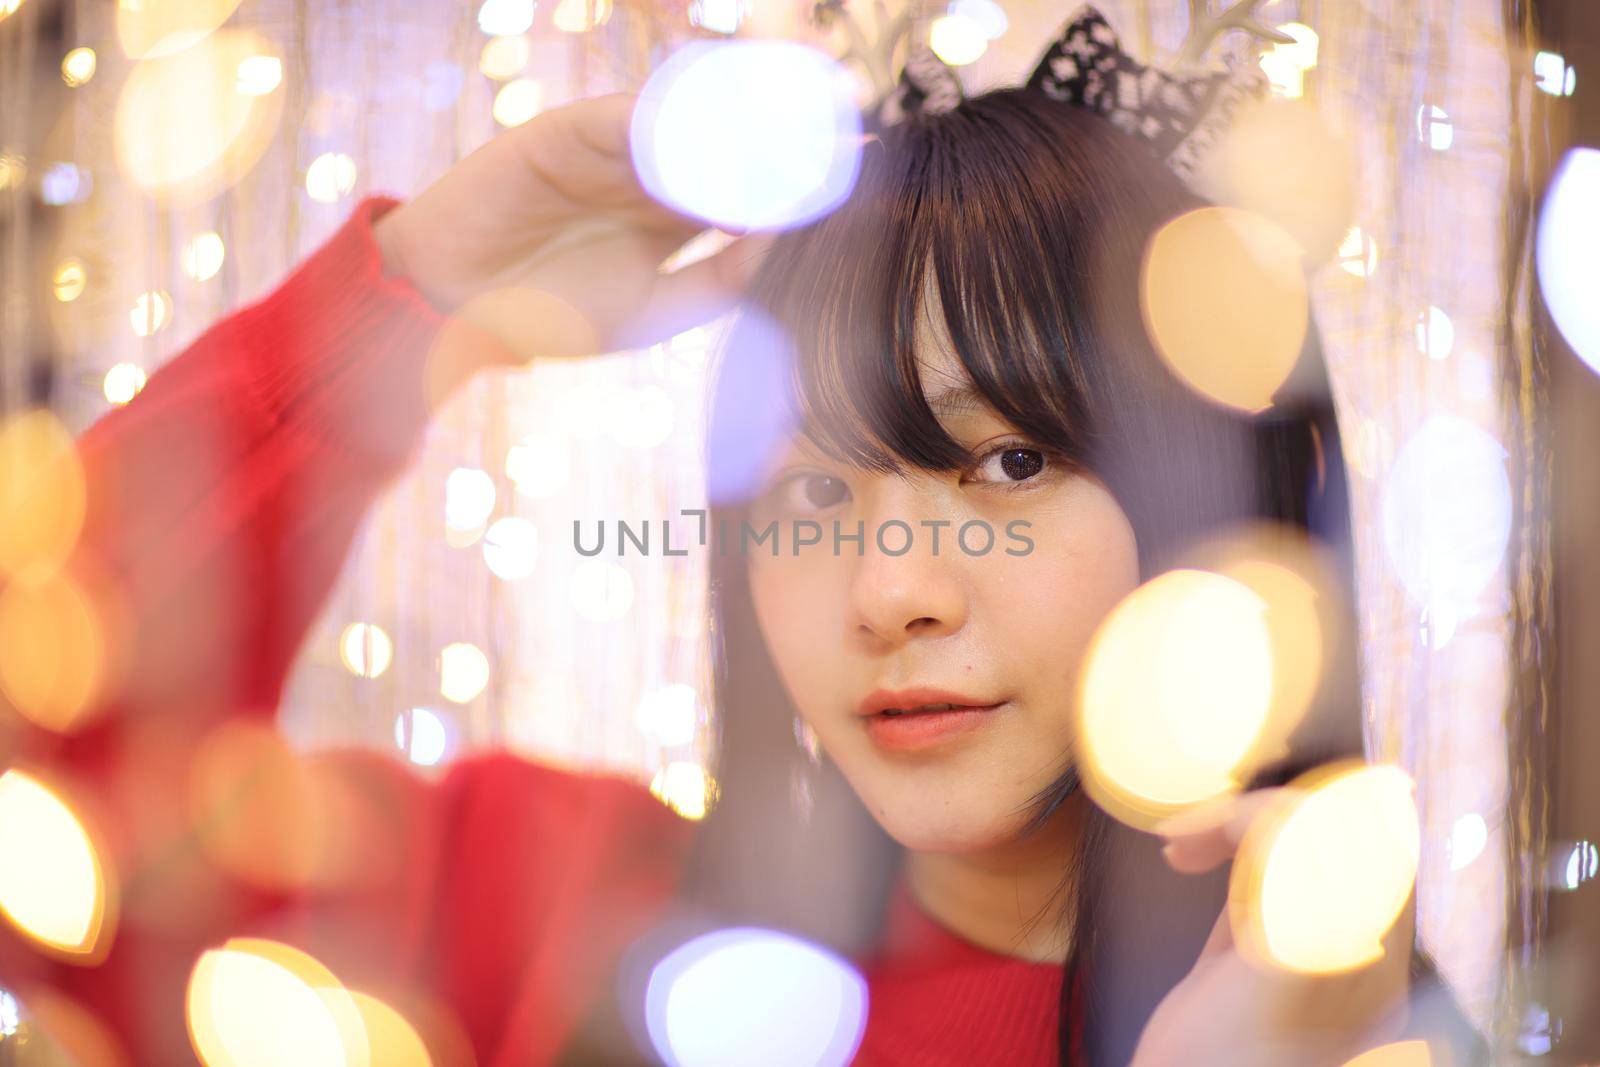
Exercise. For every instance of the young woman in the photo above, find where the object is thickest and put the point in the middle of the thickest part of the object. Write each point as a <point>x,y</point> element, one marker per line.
<point>966,345</point>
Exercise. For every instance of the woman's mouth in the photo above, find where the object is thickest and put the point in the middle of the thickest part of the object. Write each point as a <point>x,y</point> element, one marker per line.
<point>911,720</point>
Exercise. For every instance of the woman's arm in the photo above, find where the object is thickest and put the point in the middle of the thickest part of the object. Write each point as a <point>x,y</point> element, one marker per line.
<point>221,504</point>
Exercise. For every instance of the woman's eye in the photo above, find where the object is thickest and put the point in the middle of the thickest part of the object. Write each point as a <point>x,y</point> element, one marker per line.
<point>813,492</point>
<point>1010,463</point>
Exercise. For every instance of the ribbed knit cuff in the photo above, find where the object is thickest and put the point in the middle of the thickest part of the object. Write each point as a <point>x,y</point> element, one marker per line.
<point>339,351</point>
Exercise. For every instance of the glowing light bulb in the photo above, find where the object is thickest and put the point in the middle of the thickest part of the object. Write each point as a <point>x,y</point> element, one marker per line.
<point>463,672</point>
<point>365,649</point>
<point>203,256</point>
<point>330,177</point>
<point>78,66</point>
<point>123,382</point>
<point>517,102</point>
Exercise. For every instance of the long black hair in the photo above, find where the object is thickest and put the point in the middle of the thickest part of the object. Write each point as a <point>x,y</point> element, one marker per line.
<point>1022,222</point>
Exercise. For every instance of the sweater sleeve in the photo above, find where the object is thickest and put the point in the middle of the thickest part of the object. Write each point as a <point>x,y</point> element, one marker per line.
<point>222,502</point>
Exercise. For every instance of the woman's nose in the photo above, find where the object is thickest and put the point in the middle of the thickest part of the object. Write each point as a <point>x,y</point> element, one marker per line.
<point>907,581</point>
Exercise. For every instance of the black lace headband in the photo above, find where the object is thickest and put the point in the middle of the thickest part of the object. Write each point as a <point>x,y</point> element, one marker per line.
<point>1181,115</point>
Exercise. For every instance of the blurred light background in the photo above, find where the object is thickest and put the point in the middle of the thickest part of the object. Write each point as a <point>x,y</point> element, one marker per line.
<point>466,618</point>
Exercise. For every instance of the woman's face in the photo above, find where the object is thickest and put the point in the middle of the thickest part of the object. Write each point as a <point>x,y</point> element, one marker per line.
<point>856,627</point>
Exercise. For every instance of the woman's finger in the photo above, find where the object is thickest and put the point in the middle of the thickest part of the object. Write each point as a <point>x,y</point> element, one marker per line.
<point>696,293</point>
<point>1207,836</point>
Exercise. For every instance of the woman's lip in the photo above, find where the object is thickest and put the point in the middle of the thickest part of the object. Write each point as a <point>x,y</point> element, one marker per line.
<point>919,730</point>
<point>917,697</point>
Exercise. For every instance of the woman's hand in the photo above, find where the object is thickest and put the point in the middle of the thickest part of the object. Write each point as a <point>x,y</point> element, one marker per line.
<point>545,238</point>
<point>1232,1010</point>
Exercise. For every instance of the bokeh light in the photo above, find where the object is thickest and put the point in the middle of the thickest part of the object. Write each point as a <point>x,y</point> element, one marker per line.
<point>421,734</point>
<point>463,672</point>
<point>122,382</point>
<point>151,312</point>
<point>1553,75</point>
<point>503,58</point>
<point>1323,875</point>
<point>223,133</point>
<point>517,102</point>
<point>203,255</point>
<point>750,995</point>
<point>957,39</point>
<point>686,788</point>
<point>1435,128</point>
<point>511,548</point>
<point>259,75</point>
<point>760,134</point>
<point>42,496</point>
<point>1436,334</point>
<point>989,16</point>
<point>754,409</point>
<point>365,649</point>
<point>580,16</point>
<point>1283,161</point>
<point>69,280</point>
<point>1175,692</point>
<point>1468,836</point>
<point>1225,300</point>
<point>502,18</point>
<point>719,16</point>
<point>469,497</point>
<point>1568,251</point>
<point>257,1003</point>
<point>149,29</point>
<point>63,183</point>
<point>53,886</point>
<point>331,177</point>
<point>669,715</point>
<point>1358,253</point>
<point>393,1041</point>
<point>53,648</point>
<point>1446,511</point>
<point>78,66</point>
<point>1398,1054</point>
<point>538,465</point>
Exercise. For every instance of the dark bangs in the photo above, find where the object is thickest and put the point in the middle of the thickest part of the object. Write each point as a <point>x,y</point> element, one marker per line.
<point>987,221</point>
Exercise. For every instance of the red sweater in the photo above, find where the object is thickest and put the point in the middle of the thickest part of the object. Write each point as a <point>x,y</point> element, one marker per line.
<point>490,903</point>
